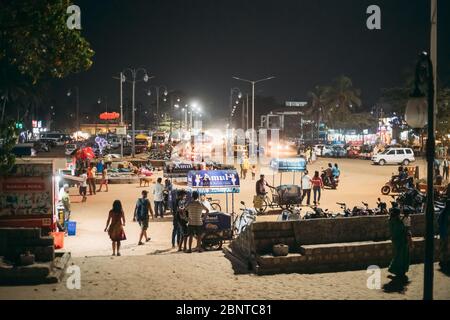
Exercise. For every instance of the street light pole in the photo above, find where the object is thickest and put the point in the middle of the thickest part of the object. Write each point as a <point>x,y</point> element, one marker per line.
<point>134,73</point>
<point>253,82</point>
<point>77,105</point>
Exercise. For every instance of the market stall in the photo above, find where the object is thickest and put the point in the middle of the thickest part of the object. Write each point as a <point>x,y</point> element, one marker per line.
<point>28,195</point>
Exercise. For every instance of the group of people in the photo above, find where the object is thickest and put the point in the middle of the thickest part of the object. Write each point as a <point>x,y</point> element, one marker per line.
<point>187,219</point>
<point>308,183</point>
<point>245,167</point>
<point>88,177</point>
<point>445,164</point>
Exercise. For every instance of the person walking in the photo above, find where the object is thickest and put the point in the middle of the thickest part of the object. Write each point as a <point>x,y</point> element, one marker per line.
<point>253,172</point>
<point>158,198</point>
<point>196,211</point>
<point>83,185</point>
<point>114,226</point>
<point>141,215</point>
<point>445,167</point>
<point>336,172</point>
<point>317,185</point>
<point>444,230</point>
<point>91,179</point>
<point>306,188</point>
<point>399,265</point>
<point>104,180</point>
<point>245,166</point>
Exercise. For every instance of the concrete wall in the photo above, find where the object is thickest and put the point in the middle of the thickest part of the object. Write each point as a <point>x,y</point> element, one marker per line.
<point>16,241</point>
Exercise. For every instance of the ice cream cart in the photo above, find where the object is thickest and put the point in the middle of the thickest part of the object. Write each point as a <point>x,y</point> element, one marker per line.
<point>217,225</point>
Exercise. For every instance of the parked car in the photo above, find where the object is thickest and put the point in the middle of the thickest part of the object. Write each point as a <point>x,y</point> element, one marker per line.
<point>353,152</point>
<point>334,151</point>
<point>55,138</point>
<point>318,149</point>
<point>394,156</point>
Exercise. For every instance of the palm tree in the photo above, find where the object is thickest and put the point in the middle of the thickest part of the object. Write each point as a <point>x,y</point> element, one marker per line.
<point>342,98</point>
<point>318,109</point>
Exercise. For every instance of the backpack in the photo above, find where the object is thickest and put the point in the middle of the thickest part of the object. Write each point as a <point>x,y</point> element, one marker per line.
<point>142,209</point>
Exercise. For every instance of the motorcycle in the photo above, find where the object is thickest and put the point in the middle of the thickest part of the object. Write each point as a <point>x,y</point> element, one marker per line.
<point>290,215</point>
<point>395,185</point>
<point>328,181</point>
<point>317,213</point>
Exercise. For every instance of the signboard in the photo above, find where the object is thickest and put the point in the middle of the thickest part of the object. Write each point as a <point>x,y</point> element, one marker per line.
<point>177,170</point>
<point>288,165</point>
<point>296,103</point>
<point>27,195</point>
<point>121,131</point>
<point>214,181</point>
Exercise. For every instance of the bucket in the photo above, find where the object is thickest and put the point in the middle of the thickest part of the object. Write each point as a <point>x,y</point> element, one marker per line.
<point>58,239</point>
<point>71,228</point>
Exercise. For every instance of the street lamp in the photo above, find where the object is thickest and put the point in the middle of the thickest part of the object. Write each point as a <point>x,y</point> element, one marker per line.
<point>134,73</point>
<point>157,89</point>
<point>99,102</point>
<point>420,112</point>
<point>253,95</point>
<point>77,104</point>
<point>239,94</point>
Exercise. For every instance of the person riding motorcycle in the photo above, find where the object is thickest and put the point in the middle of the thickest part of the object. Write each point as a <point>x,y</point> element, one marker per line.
<point>328,177</point>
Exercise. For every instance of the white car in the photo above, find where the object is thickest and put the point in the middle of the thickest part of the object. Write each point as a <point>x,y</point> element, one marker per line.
<point>394,156</point>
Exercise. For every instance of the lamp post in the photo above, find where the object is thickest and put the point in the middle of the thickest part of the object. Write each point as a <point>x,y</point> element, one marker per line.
<point>253,95</point>
<point>232,92</point>
<point>420,112</point>
<point>77,105</point>
<point>134,73</point>
<point>158,91</point>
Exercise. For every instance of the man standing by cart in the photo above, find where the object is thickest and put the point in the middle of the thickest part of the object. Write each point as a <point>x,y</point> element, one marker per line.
<point>261,186</point>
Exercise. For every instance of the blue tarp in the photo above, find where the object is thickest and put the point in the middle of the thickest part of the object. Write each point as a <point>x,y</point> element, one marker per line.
<point>214,181</point>
<point>288,165</point>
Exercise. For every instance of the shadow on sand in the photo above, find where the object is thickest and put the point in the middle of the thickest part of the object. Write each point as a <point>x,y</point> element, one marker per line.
<point>398,284</point>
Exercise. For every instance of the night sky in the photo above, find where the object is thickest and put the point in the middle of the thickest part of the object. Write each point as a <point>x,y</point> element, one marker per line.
<point>198,45</point>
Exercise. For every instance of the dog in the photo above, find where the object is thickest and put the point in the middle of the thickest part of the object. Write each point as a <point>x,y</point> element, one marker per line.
<point>145,180</point>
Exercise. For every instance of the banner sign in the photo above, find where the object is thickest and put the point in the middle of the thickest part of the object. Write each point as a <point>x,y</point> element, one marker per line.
<point>214,181</point>
<point>288,165</point>
<point>177,170</point>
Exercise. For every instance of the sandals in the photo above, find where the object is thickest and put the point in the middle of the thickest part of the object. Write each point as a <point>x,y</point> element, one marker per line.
<point>140,243</point>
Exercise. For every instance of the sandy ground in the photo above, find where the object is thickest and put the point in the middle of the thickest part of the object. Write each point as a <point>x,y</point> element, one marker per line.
<point>156,271</point>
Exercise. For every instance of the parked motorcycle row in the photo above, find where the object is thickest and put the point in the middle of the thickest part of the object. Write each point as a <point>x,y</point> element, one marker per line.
<point>411,201</point>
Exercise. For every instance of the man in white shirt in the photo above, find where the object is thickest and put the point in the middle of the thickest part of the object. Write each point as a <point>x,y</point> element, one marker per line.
<point>158,198</point>
<point>306,187</point>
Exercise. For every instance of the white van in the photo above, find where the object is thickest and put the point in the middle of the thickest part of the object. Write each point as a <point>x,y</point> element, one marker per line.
<point>394,156</point>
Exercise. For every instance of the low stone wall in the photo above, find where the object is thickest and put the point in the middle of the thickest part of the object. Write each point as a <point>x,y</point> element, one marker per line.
<point>16,241</point>
<point>322,245</point>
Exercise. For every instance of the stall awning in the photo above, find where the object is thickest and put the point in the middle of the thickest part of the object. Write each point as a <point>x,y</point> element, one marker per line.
<point>288,165</point>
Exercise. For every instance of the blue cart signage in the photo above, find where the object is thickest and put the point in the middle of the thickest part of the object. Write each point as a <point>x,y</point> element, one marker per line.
<point>288,165</point>
<point>214,181</point>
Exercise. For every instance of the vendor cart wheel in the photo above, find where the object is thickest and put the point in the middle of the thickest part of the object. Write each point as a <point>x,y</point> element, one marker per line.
<point>385,190</point>
<point>212,242</point>
<point>263,207</point>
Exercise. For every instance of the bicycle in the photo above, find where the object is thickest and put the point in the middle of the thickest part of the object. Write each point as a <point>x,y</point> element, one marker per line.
<point>215,204</point>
